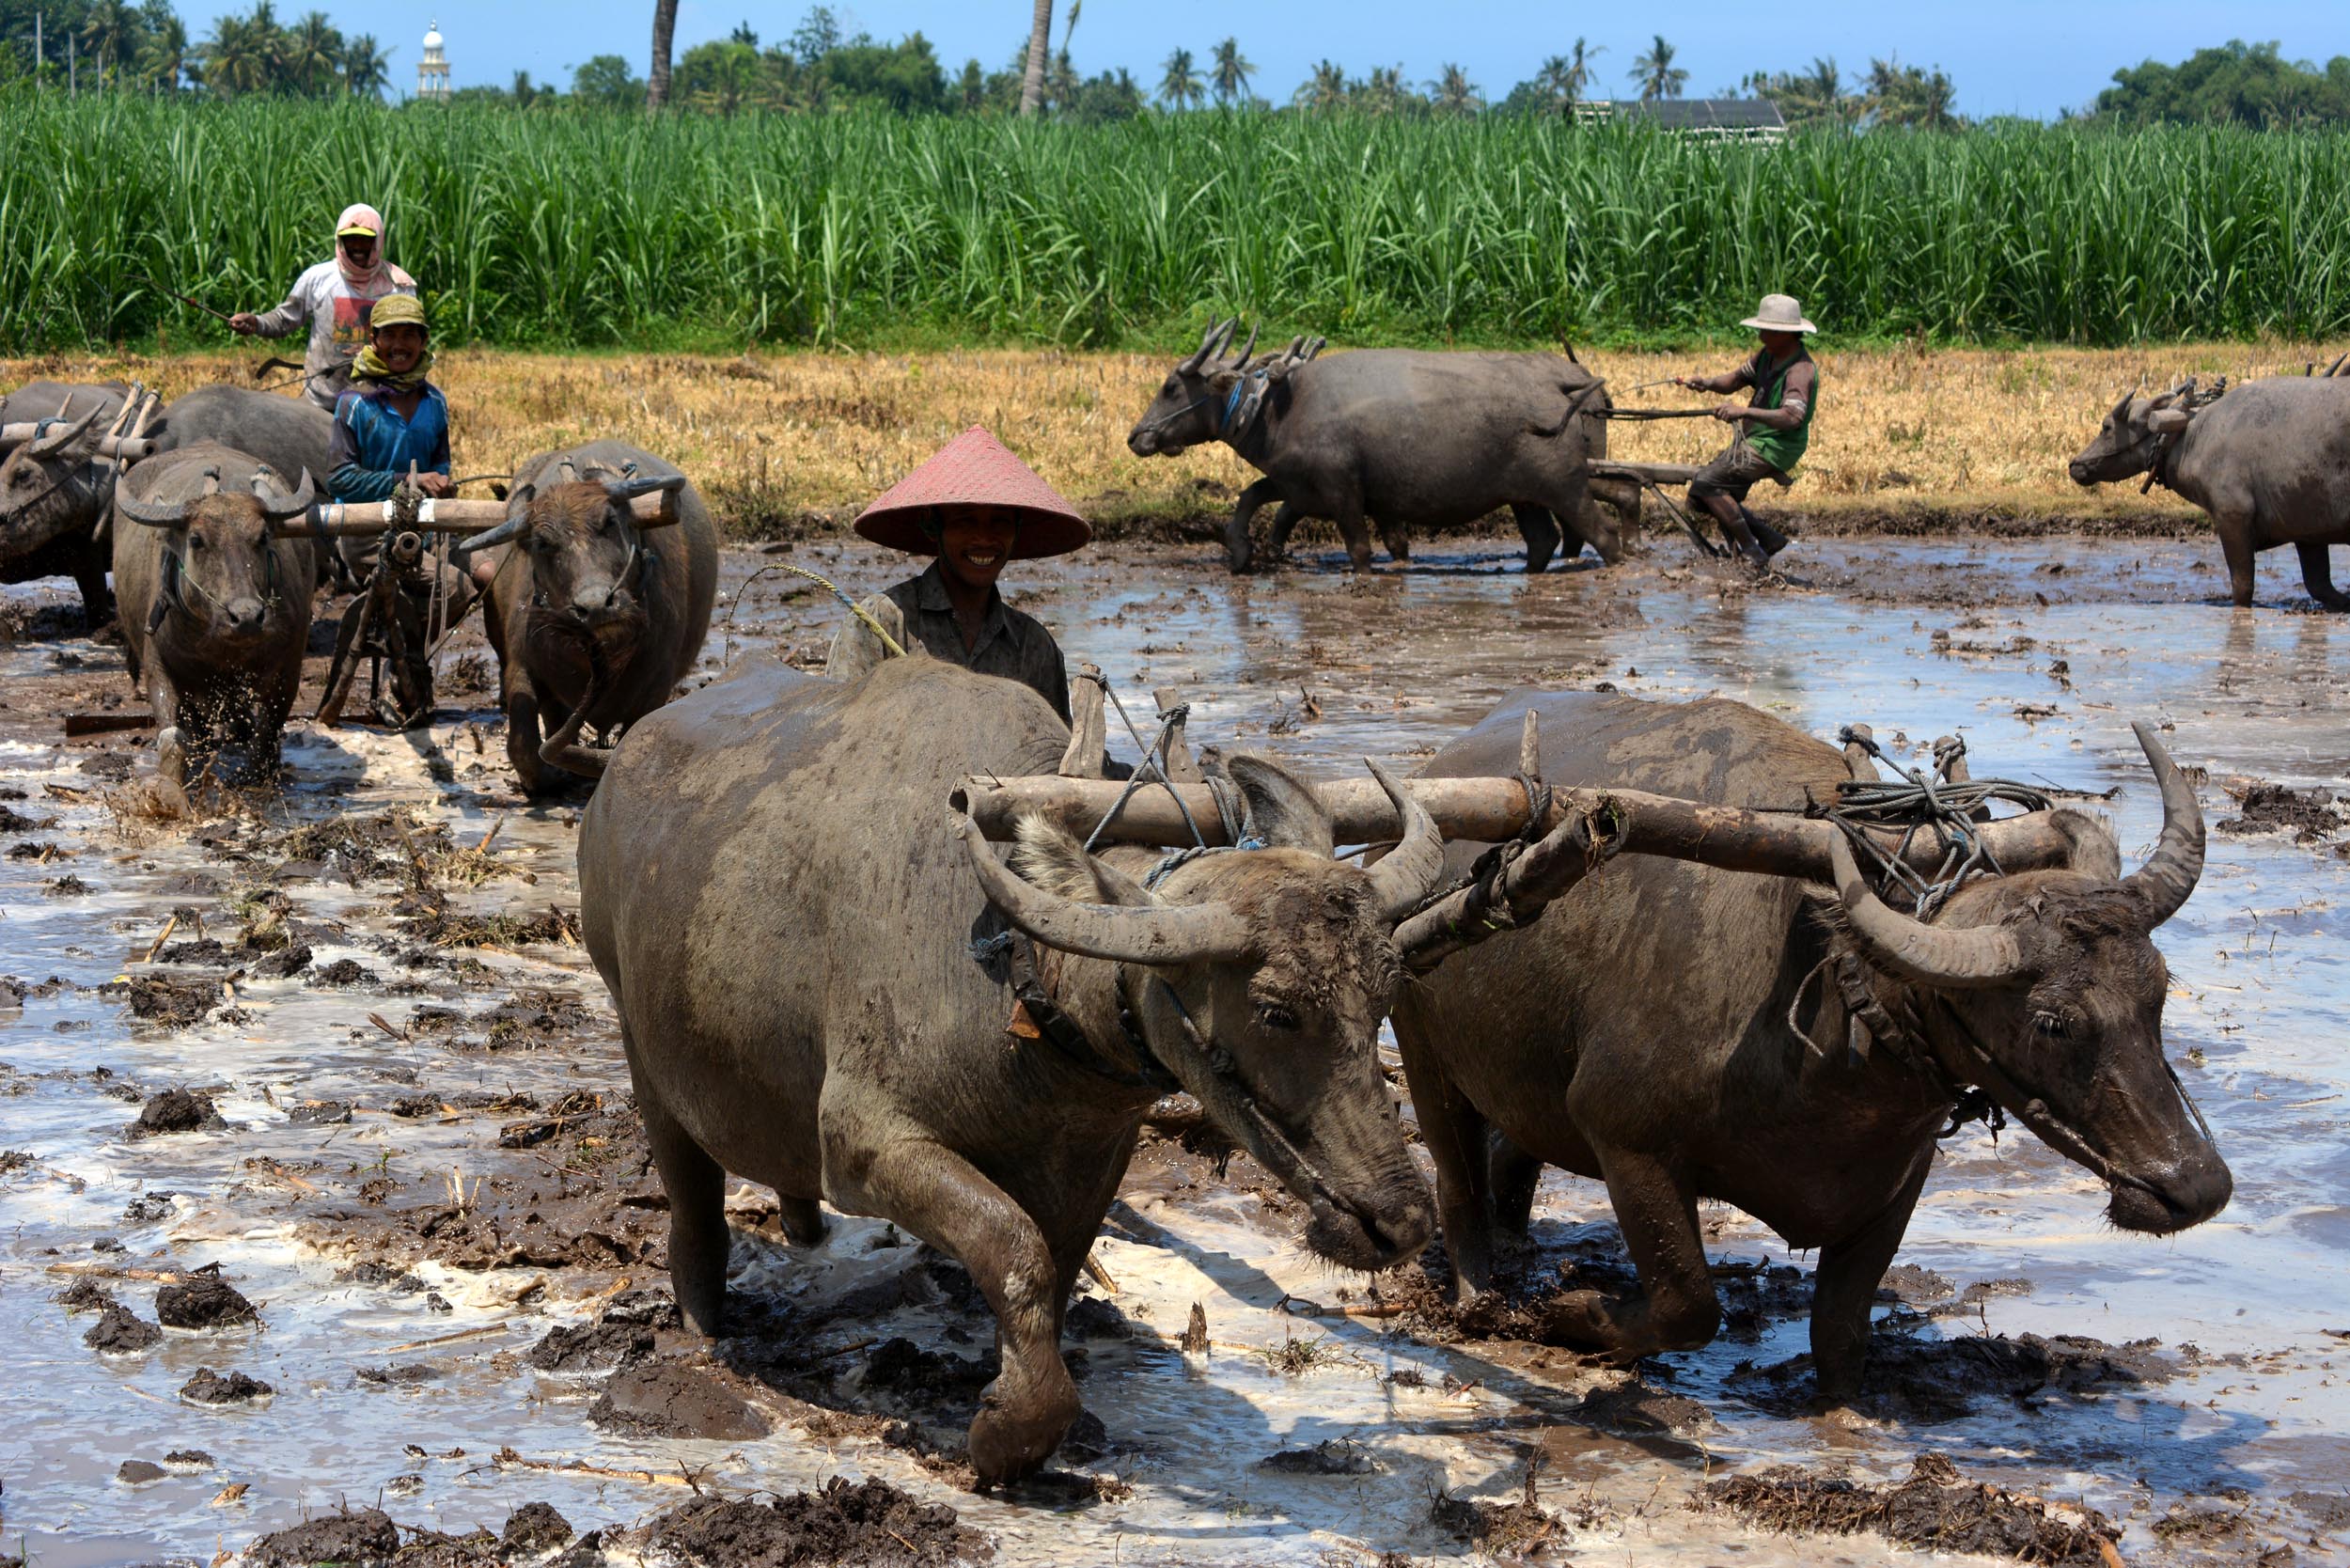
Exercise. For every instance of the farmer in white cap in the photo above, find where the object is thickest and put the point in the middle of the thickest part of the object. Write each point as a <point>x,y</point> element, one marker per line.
<point>1774,426</point>
<point>333,299</point>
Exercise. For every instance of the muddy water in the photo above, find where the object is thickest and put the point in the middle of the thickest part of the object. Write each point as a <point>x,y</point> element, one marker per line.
<point>2222,1442</point>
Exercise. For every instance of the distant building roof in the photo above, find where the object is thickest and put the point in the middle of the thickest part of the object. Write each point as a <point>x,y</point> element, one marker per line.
<point>1757,118</point>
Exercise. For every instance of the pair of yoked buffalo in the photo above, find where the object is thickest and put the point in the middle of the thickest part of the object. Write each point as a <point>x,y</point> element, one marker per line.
<point>806,950</point>
<point>596,608</point>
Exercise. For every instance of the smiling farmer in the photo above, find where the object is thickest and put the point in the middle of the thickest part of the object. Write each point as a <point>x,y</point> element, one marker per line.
<point>1775,426</point>
<point>975,506</point>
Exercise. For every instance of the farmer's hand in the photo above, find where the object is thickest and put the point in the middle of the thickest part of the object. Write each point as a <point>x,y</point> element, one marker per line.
<point>436,484</point>
<point>1729,413</point>
<point>245,323</point>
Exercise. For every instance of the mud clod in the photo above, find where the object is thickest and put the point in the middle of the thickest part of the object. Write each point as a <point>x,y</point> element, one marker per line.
<point>119,1331</point>
<point>1925,1378</point>
<point>367,1536</point>
<point>590,1347</point>
<point>2310,815</point>
<point>138,1472</point>
<point>346,971</point>
<point>1936,1509</point>
<point>1333,1456</point>
<point>190,1459</point>
<point>206,1302</point>
<point>533,1528</point>
<point>671,1399</point>
<point>1636,1407</point>
<point>209,1387</point>
<point>177,1111</point>
<point>85,1296</point>
<point>147,1210</point>
<point>1503,1529</point>
<point>851,1524</point>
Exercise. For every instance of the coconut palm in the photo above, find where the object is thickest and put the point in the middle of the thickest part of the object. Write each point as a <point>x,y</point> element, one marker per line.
<point>366,70</point>
<point>1382,92</point>
<point>241,56</point>
<point>1325,89</point>
<point>1040,46</point>
<point>108,31</point>
<point>1229,74</point>
<point>1576,79</point>
<point>1655,74</point>
<point>311,54</point>
<point>1180,87</point>
<point>1453,93</point>
<point>664,34</point>
<point>163,52</point>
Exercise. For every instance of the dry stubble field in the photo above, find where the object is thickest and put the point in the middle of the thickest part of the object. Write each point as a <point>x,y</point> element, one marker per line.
<point>793,443</point>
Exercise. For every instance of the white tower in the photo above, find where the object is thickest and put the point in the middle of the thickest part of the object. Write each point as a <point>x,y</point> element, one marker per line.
<point>432,71</point>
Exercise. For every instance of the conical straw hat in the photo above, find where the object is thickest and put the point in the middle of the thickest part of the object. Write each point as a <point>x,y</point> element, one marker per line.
<point>974,470</point>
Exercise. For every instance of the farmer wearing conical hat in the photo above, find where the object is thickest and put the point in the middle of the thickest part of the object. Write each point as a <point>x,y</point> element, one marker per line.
<point>1774,426</point>
<point>975,506</point>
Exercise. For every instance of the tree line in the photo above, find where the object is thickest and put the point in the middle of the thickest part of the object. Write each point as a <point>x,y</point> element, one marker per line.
<point>116,46</point>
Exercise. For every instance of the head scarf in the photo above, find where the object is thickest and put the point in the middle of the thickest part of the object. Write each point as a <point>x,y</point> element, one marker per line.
<point>392,310</point>
<point>360,215</point>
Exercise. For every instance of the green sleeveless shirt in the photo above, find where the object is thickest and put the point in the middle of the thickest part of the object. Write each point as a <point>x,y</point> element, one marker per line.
<point>1783,449</point>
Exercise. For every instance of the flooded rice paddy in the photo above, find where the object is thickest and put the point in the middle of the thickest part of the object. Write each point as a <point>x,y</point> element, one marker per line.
<point>420,1168</point>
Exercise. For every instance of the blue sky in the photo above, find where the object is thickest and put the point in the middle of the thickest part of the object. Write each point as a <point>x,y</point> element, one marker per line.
<point>2006,57</point>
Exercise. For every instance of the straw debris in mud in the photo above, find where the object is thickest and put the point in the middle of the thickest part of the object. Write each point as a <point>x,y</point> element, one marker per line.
<point>848,1523</point>
<point>1937,1509</point>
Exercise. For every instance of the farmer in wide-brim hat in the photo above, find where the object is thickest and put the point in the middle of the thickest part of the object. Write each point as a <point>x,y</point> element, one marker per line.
<point>1775,425</point>
<point>975,506</point>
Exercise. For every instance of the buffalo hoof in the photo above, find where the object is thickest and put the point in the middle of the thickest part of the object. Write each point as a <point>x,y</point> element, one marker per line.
<point>1014,1434</point>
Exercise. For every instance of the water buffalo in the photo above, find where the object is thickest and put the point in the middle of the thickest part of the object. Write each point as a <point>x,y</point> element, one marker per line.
<point>596,611</point>
<point>287,434</point>
<point>1682,1031</point>
<point>813,992</point>
<point>216,607</point>
<point>55,490</point>
<point>2269,463</point>
<point>1400,435</point>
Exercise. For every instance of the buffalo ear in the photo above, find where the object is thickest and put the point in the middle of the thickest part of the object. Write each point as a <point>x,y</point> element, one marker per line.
<point>497,488</point>
<point>1049,856</point>
<point>1281,810</point>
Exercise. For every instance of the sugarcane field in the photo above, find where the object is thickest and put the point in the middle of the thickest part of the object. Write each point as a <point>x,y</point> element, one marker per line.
<point>813,811</point>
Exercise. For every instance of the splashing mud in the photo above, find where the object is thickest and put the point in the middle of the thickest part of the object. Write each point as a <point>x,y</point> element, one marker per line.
<point>338,1054</point>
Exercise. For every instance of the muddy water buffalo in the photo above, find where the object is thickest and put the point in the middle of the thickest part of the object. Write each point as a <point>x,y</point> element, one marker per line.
<point>804,948</point>
<point>593,603</point>
<point>1641,1033</point>
<point>1402,436</point>
<point>2269,462</point>
<point>55,490</point>
<point>215,607</point>
<point>287,434</point>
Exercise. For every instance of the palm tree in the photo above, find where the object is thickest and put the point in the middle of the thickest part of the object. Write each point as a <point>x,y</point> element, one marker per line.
<point>1453,93</point>
<point>311,54</point>
<point>1325,89</point>
<point>106,30</point>
<point>1384,92</point>
<point>1576,79</point>
<point>1179,88</point>
<point>164,55</point>
<point>1656,75</point>
<point>241,56</point>
<point>366,70</point>
<point>664,34</point>
<point>1230,72</point>
<point>1040,45</point>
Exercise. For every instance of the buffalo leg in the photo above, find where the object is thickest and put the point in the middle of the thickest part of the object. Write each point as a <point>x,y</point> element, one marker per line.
<point>2317,576</point>
<point>1276,544</point>
<point>1398,541</point>
<point>802,1219</point>
<point>1677,1308</point>
<point>1456,1133</point>
<point>1541,535</point>
<point>1238,544</point>
<point>171,742</point>
<point>1513,1174</point>
<point>98,602</point>
<point>1845,1288</point>
<point>1350,522</point>
<point>521,742</point>
<point>940,1196</point>
<point>698,1240</point>
<point>2235,546</point>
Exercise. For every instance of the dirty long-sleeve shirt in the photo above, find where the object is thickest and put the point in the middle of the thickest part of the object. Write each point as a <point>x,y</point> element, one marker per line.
<point>336,315</point>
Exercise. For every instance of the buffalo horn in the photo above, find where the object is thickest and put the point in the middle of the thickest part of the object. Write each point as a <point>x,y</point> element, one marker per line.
<point>1410,873</point>
<point>625,490</point>
<point>279,506</point>
<point>170,514</point>
<point>2121,410</point>
<point>490,539</point>
<point>1207,342</point>
<point>1959,957</point>
<point>2171,871</point>
<point>1152,933</point>
<point>1242,364</point>
<point>58,439</point>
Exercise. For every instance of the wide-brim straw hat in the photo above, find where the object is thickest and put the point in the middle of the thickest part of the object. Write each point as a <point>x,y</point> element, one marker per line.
<point>974,470</point>
<point>1779,313</point>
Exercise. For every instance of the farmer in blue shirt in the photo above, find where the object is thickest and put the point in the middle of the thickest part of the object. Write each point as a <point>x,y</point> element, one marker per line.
<point>391,418</point>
